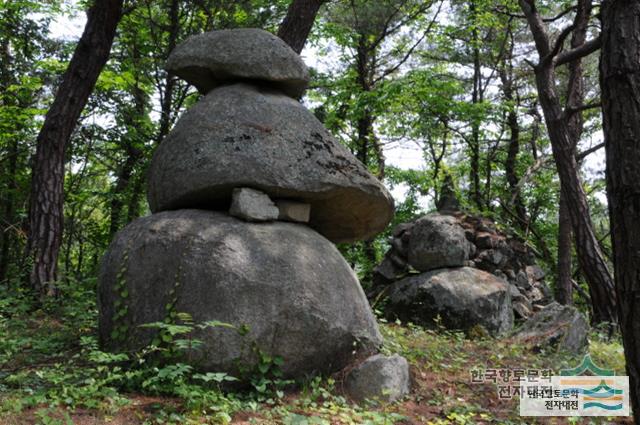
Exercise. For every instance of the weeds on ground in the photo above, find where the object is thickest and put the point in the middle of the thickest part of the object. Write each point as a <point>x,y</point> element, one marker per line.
<point>51,369</point>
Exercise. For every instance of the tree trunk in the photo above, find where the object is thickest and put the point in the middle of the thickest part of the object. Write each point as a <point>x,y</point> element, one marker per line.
<point>590,257</point>
<point>510,170</point>
<point>47,183</point>
<point>364,123</point>
<point>620,87</point>
<point>137,193</point>
<point>476,97</point>
<point>513,149</point>
<point>166,96</point>
<point>7,78</point>
<point>564,284</point>
<point>8,210</point>
<point>366,138</point>
<point>475,136</point>
<point>575,97</point>
<point>296,26</point>
<point>122,184</point>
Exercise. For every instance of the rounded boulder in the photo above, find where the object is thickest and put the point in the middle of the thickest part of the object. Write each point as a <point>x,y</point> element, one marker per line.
<point>379,378</point>
<point>437,241</point>
<point>219,57</point>
<point>285,284</point>
<point>244,136</point>
<point>461,298</point>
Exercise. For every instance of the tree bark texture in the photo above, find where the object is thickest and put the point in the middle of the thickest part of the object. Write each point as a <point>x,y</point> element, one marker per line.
<point>296,26</point>
<point>166,95</point>
<point>620,87</point>
<point>590,256</point>
<point>513,148</point>
<point>575,97</point>
<point>47,184</point>
<point>564,284</point>
<point>476,97</point>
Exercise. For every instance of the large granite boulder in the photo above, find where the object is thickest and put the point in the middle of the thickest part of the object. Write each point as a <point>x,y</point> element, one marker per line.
<point>290,286</point>
<point>557,326</point>
<point>463,298</point>
<point>218,57</point>
<point>243,136</point>
<point>437,241</point>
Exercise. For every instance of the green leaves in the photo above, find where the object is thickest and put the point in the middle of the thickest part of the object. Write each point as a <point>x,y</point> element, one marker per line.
<point>214,377</point>
<point>170,329</point>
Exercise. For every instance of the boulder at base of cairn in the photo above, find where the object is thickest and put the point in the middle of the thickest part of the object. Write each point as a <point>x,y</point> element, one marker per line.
<point>462,297</point>
<point>558,326</point>
<point>289,286</point>
<point>379,378</point>
<point>437,241</point>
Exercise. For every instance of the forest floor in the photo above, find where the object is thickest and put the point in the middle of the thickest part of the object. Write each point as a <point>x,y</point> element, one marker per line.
<point>51,372</point>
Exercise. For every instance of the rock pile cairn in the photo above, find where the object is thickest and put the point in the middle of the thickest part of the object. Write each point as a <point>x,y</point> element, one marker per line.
<point>429,279</point>
<point>461,269</point>
<point>453,239</point>
<point>247,192</point>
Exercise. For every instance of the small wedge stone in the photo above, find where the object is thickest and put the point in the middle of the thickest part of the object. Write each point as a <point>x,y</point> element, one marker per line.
<point>298,212</point>
<point>252,205</point>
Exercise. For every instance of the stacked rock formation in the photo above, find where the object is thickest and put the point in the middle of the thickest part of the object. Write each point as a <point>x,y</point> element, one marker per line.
<point>247,192</point>
<point>456,239</point>
<point>509,258</point>
<point>446,288</point>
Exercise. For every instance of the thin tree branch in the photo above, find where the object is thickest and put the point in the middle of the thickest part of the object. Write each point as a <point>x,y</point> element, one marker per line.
<point>582,155</point>
<point>558,44</point>
<point>546,20</point>
<point>541,162</point>
<point>410,51</point>
<point>575,109</point>
<point>537,27</point>
<point>579,52</point>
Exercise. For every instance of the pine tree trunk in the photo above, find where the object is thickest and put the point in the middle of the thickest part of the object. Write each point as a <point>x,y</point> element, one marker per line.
<point>620,86</point>
<point>561,134</point>
<point>564,285</point>
<point>8,210</point>
<point>590,257</point>
<point>476,97</point>
<point>296,26</point>
<point>8,198</point>
<point>47,183</point>
<point>166,104</point>
<point>513,149</point>
<point>575,97</point>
